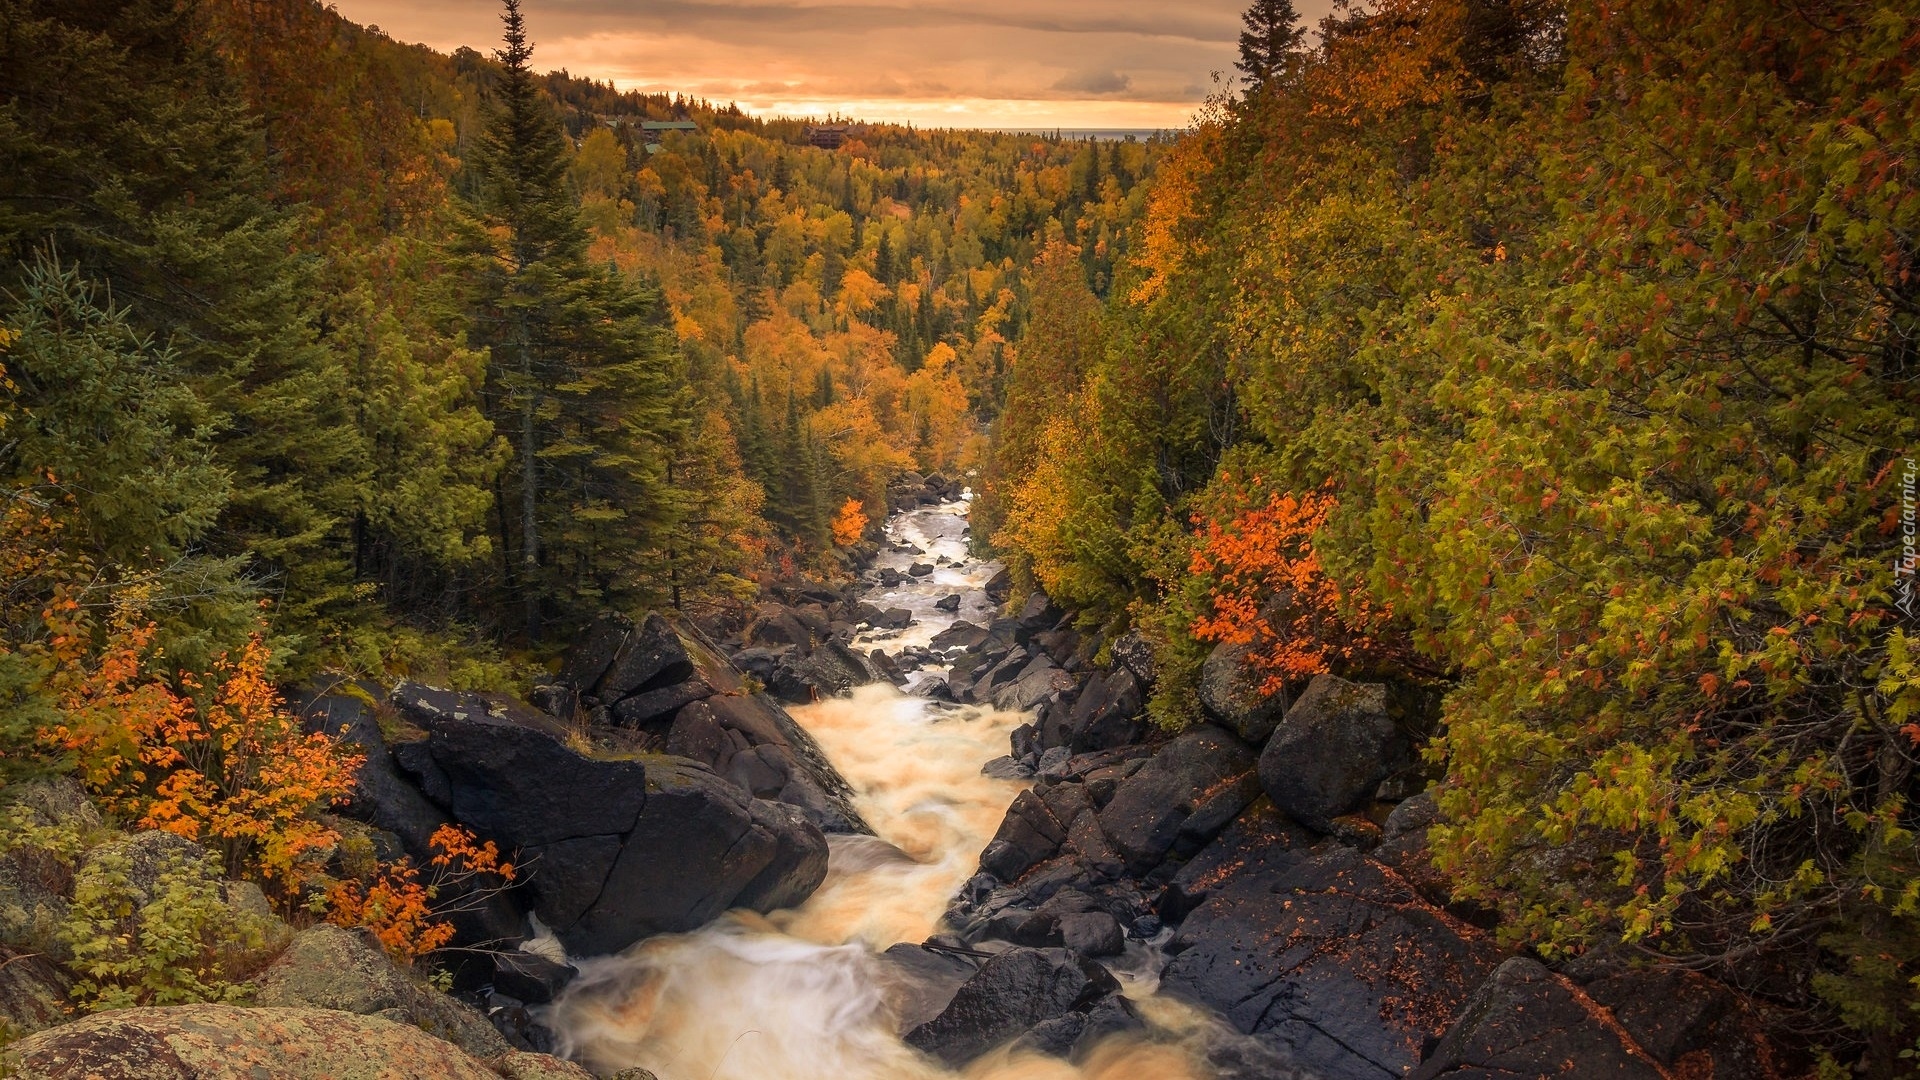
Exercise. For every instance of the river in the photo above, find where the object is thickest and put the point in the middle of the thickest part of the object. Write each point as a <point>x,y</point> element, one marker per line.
<point>803,994</point>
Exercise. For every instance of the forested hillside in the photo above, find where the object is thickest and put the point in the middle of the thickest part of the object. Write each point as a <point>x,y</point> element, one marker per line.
<point>414,344</point>
<point>327,355</point>
<point>1558,359</point>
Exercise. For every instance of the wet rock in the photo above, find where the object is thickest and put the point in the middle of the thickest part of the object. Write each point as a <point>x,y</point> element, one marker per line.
<point>1206,774</point>
<point>949,602</point>
<point>1000,586</point>
<point>1234,693</point>
<point>921,982</point>
<point>1027,835</point>
<point>919,569</point>
<point>1331,751</point>
<point>1006,768</point>
<point>1071,1035</point>
<point>1039,679</point>
<point>226,1042</point>
<point>1092,933</point>
<point>1109,712</point>
<point>1527,1021</point>
<point>328,967</point>
<point>1011,994</point>
<point>529,977</point>
<point>897,618</point>
<point>1332,959</point>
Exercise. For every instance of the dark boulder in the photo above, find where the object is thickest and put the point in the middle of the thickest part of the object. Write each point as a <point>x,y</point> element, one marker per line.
<point>1036,681</point>
<point>593,651</point>
<point>1332,959</point>
<point>1196,783</point>
<point>1011,994</point>
<point>1092,933</point>
<point>949,602</point>
<point>1527,1021</point>
<point>616,850</point>
<point>1028,835</point>
<point>1000,586</point>
<point>650,657</point>
<point>1109,712</point>
<point>897,618</point>
<point>921,982</point>
<point>1331,751</point>
<point>661,704</point>
<point>774,626</point>
<point>961,635</point>
<point>530,978</point>
<point>1235,692</point>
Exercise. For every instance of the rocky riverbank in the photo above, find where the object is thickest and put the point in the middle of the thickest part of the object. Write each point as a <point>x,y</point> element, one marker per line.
<point>1249,898</point>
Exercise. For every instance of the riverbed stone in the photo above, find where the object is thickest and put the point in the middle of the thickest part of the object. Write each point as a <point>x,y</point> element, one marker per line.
<point>1011,994</point>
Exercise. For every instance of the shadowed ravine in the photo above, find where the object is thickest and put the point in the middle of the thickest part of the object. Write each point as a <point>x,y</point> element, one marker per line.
<point>803,994</point>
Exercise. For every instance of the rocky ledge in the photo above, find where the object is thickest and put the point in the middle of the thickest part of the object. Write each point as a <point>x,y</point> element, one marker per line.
<point>1275,857</point>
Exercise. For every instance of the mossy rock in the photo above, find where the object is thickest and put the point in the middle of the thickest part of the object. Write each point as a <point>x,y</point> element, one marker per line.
<point>226,1042</point>
<point>328,967</point>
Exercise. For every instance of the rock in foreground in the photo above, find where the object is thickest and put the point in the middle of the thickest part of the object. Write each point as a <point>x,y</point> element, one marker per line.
<point>225,1042</point>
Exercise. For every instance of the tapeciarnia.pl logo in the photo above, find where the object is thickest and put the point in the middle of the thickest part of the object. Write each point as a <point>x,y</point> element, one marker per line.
<point>1903,566</point>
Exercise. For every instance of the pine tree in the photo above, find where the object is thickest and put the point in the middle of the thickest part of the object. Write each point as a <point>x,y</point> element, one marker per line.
<point>1273,34</point>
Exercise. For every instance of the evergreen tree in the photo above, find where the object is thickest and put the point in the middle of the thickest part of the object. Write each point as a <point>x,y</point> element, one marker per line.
<point>1273,34</point>
<point>584,376</point>
<point>126,143</point>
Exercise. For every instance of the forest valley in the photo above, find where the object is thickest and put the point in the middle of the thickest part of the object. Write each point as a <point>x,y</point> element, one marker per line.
<point>1551,362</point>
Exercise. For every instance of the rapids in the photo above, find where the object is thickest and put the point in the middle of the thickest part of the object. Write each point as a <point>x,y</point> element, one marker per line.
<point>802,994</point>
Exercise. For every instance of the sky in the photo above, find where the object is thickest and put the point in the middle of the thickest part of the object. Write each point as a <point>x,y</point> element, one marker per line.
<point>934,63</point>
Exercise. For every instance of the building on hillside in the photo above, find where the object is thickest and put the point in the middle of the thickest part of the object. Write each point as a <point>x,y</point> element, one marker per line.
<point>652,131</point>
<point>833,136</point>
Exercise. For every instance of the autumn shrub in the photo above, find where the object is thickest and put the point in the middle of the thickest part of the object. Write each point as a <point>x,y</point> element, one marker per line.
<point>220,762</point>
<point>409,914</point>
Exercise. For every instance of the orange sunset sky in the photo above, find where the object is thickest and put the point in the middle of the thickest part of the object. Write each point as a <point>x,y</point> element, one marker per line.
<point>945,63</point>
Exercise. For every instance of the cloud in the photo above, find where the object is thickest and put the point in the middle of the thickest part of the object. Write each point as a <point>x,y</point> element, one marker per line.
<point>1095,82</point>
<point>1062,63</point>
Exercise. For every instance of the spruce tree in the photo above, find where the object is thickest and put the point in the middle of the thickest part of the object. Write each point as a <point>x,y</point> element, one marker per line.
<point>1273,34</point>
<point>585,378</point>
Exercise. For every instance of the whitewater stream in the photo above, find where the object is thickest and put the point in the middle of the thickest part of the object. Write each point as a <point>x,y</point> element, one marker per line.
<point>802,994</point>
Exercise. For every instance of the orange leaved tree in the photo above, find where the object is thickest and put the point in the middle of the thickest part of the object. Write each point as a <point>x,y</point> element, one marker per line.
<point>213,757</point>
<point>1264,586</point>
<point>399,907</point>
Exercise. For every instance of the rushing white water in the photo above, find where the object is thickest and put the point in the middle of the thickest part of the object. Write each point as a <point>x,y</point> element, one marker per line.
<point>802,994</point>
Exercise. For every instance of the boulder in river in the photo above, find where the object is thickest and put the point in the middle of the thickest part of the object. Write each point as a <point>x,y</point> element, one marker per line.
<point>616,850</point>
<point>1013,993</point>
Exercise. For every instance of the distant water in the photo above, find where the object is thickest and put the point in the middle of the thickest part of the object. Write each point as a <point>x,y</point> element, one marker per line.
<point>1096,134</point>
